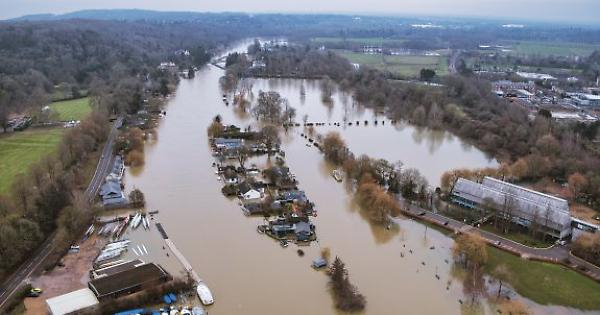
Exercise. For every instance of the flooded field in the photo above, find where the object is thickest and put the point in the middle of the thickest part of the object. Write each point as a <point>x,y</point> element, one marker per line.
<point>249,273</point>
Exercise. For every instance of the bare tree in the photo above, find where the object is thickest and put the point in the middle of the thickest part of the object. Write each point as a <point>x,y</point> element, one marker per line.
<point>269,106</point>
<point>242,153</point>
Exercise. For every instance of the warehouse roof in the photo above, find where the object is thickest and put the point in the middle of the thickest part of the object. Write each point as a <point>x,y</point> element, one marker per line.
<point>71,302</point>
<point>128,280</point>
<point>528,203</point>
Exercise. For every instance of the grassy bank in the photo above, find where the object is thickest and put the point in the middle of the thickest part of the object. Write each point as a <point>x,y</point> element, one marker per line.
<point>409,65</point>
<point>519,237</point>
<point>547,283</point>
<point>76,109</point>
<point>20,150</point>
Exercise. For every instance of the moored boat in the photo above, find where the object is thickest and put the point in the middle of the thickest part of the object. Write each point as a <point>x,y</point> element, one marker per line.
<point>204,294</point>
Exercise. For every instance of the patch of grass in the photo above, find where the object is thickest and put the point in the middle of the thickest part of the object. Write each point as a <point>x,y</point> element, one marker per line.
<point>76,109</point>
<point>406,65</point>
<point>552,48</point>
<point>518,237</point>
<point>546,283</point>
<point>19,150</point>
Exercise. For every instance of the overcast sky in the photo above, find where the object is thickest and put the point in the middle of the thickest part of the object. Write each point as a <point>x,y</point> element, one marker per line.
<point>582,11</point>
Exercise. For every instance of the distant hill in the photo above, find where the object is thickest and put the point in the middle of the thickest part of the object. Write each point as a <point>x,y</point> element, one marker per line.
<point>123,15</point>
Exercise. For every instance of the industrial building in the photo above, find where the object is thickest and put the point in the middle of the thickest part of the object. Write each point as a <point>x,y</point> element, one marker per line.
<point>71,302</point>
<point>526,206</point>
<point>129,281</point>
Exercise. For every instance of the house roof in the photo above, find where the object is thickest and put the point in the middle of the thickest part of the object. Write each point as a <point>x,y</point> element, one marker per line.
<point>128,279</point>
<point>71,302</point>
<point>110,188</point>
<point>302,227</point>
<point>293,195</point>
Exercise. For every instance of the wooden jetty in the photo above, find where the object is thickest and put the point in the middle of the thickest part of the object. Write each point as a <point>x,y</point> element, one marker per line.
<point>184,262</point>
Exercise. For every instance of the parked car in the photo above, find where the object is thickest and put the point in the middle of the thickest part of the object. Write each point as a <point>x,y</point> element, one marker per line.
<point>422,213</point>
<point>446,222</point>
<point>35,292</point>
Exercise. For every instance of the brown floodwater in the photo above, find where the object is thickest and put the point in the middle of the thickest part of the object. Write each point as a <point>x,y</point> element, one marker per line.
<point>248,272</point>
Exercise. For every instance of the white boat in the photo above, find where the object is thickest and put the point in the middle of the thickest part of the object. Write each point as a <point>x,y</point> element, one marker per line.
<point>135,218</point>
<point>138,221</point>
<point>204,294</point>
<point>112,246</point>
<point>146,224</point>
<point>109,255</point>
<point>90,230</point>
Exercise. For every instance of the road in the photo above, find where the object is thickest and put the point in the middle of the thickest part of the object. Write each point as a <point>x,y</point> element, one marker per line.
<point>556,253</point>
<point>13,282</point>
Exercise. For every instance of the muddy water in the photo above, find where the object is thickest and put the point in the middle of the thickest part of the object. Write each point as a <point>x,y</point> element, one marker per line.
<point>251,274</point>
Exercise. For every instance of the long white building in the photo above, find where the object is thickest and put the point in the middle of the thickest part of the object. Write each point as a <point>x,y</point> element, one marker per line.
<point>527,205</point>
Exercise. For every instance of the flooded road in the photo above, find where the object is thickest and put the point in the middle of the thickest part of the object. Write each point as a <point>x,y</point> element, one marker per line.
<point>249,273</point>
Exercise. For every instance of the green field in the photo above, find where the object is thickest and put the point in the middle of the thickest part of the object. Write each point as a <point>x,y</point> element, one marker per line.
<point>409,66</point>
<point>76,109</point>
<point>547,283</point>
<point>551,48</point>
<point>19,150</point>
<point>359,40</point>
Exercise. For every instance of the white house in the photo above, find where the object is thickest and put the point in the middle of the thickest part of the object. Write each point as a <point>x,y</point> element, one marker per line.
<point>251,194</point>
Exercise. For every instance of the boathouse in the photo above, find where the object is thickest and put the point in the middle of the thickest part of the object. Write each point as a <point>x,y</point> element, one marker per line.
<point>129,281</point>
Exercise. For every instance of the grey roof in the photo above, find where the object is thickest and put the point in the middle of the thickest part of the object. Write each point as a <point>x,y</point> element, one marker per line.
<point>319,262</point>
<point>110,188</point>
<point>302,227</point>
<point>528,203</point>
<point>294,195</point>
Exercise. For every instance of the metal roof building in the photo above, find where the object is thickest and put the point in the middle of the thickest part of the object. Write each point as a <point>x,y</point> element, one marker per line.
<point>528,205</point>
<point>71,302</point>
<point>129,281</point>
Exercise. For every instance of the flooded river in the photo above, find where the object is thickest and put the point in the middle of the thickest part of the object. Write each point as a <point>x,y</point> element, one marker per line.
<point>250,273</point>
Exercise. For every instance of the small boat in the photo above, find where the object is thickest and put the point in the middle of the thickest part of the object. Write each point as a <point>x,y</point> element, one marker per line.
<point>138,221</point>
<point>337,175</point>
<point>185,311</point>
<point>132,221</point>
<point>284,243</point>
<point>204,294</point>
<point>145,221</point>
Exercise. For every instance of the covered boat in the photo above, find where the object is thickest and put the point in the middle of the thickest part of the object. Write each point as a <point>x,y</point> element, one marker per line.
<point>204,294</point>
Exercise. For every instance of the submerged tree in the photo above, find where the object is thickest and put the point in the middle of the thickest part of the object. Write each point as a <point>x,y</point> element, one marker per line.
<point>269,107</point>
<point>470,250</point>
<point>335,148</point>
<point>346,296</point>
